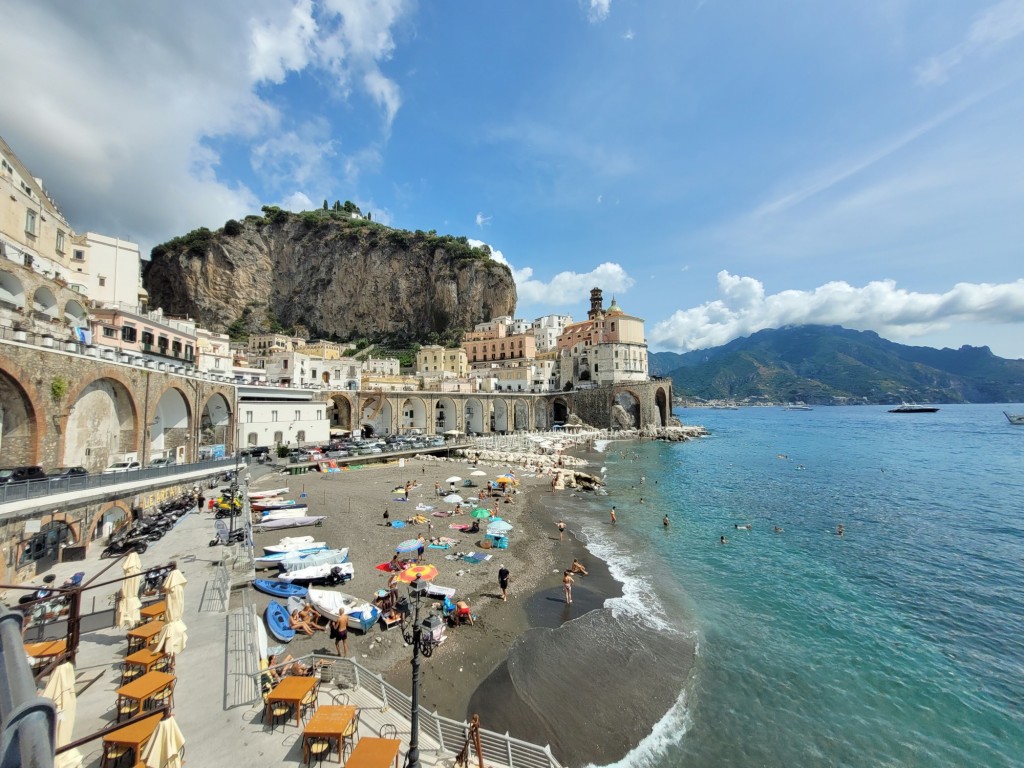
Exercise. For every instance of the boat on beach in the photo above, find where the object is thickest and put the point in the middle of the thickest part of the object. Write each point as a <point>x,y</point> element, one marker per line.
<point>277,622</point>
<point>278,588</point>
<point>329,573</point>
<point>278,514</point>
<point>289,522</point>
<point>293,544</point>
<point>1014,418</point>
<point>912,408</point>
<point>267,494</point>
<point>262,505</point>
<point>332,605</point>
<point>293,561</point>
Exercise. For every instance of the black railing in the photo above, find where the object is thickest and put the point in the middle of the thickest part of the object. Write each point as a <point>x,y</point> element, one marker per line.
<point>34,489</point>
<point>27,721</point>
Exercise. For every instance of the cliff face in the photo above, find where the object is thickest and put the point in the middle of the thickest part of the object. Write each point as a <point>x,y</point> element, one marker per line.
<point>332,274</point>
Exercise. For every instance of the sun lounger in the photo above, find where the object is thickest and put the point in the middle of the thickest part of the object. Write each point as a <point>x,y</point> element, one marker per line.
<point>433,590</point>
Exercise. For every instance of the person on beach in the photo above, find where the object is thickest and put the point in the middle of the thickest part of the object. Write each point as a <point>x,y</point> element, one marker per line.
<point>664,521</point>
<point>387,516</point>
<point>614,518</point>
<point>422,547</point>
<point>339,634</point>
<point>299,624</point>
<point>503,579</point>
<point>561,529</point>
<point>463,611</point>
<point>567,582</point>
<point>577,567</point>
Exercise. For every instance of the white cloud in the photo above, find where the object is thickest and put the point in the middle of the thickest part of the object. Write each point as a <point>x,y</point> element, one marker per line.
<point>141,100</point>
<point>990,29</point>
<point>599,10</point>
<point>878,306</point>
<point>628,35</point>
<point>297,201</point>
<point>482,221</point>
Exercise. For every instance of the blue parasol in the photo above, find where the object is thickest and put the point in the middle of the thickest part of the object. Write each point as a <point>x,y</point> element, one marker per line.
<point>409,545</point>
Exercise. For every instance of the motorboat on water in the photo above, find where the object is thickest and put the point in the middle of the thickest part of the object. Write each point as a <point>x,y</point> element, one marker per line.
<point>799,406</point>
<point>912,408</point>
<point>1014,418</point>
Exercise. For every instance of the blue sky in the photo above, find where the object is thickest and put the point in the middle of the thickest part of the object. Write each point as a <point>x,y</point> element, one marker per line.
<point>720,167</point>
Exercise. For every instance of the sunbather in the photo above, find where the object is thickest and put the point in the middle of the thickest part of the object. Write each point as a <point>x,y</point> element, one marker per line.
<point>300,624</point>
<point>577,567</point>
<point>279,667</point>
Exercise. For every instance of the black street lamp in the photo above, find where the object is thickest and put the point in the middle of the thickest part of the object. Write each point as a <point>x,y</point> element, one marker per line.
<point>412,759</point>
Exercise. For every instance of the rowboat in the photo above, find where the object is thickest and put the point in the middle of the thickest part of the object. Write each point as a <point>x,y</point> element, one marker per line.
<point>294,560</point>
<point>289,522</point>
<point>278,588</point>
<point>289,544</point>
<point>277,622</point>
<point>337,573</point>
<point>266,494</point>
<point>265,504</point>
<point>277,514</point>
<point>275,560</point>
<point>332,605</point>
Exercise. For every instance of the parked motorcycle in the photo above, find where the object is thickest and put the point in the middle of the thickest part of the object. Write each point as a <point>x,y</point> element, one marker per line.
<point>125,543</point>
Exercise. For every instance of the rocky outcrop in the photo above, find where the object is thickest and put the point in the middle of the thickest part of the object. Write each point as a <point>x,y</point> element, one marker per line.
<point>331,273</point>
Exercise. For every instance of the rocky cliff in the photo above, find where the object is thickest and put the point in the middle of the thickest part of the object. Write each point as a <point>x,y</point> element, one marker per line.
<point>334,275</point>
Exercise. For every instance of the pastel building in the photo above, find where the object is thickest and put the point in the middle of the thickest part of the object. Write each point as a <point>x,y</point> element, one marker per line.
<point>605,349</point>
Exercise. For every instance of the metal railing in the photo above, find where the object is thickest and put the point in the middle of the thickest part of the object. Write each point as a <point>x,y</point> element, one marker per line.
<point>33,489</point>
<point>28,721</point>
<point>449,734</point>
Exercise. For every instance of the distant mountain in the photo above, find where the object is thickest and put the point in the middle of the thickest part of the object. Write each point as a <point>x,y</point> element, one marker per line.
<point>830,364</point>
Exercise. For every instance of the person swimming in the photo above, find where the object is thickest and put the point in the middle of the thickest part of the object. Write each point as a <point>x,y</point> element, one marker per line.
<point>744,527</point>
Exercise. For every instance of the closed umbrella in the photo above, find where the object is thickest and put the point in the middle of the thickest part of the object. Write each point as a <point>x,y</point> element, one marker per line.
<point>174,591</point>
<point>129,605</point>
<point>164,748</point>
<point>172,638</point>
<point>409,545</point>
<point>61,689</point>
<point>425,572</point>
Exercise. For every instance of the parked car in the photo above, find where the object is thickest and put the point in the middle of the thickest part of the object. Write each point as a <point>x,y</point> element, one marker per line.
<point>122,466</point>
<point>21,474</point>
<point>163,461</point>
<point>256,451</point>
<point>67,472</point>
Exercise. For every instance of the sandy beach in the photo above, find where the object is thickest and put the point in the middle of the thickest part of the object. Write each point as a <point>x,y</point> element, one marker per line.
<point>354,502</point>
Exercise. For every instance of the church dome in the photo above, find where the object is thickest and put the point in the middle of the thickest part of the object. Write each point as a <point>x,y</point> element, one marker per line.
<point>614,309</point>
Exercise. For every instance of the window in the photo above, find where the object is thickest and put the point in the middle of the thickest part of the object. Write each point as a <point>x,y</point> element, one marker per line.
<point>147,338</point>
<point>273,415</point>
<point>103,281</point>
<point>176,348</point>
<point>60,241</point>
<point>128,333</point>
<point>30,222</point>
<point>298,415</point>
<point>78,254</point>
<point>300,436</point>
<point>162,342</point>
<point>284,364</point>
<point>109,333</point>
<point>319,415</point>
<point>278,438</point>
<point>252,438</point>
<point>190,353</point>
<point>248,416</point>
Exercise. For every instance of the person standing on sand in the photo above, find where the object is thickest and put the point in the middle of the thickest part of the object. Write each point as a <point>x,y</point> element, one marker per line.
<point>567,582</point>
<point>561,529</point>
<point>503,580</point>
<point>339,634</point>
<point>422,547</point>
<point>614,519</point>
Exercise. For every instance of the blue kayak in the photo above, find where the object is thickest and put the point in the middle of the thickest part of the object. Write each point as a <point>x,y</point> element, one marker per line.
<point>277,622</point>
<point>279,588</point>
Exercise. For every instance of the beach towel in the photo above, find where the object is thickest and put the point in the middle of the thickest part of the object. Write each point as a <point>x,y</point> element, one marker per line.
<point>397,524</point>
<point>440,514</point>
<point>438,546</point>
<point>399,498</point>
<point>476,557</point>
<point>421,507</point>
<point>459,526</point>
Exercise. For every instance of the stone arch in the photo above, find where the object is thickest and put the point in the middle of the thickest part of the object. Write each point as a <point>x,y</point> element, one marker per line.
<point>445,416</point>
<point>521,415</point>
<point>340,412</point>
<point>102,424</point>
<point>499,415</point>
<point>21,417</point>
<point>12,292</point>
<point>112,511</point>
<point>75,314</point>
<point>627,414</point>
<point>376,415</point>
<point>45,303</point>
<point>413,414</point>
<point>474,415</point>
<point>215,422</point>
<point>169,423</point>
<point>560,410</point>
<point>60,528</point>
<point>661,404</point>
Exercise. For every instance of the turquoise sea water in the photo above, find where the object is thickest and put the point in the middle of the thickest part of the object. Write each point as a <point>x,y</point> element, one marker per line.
<point>900,643</point>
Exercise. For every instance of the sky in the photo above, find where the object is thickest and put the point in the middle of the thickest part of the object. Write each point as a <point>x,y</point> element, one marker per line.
<point>719,167</point>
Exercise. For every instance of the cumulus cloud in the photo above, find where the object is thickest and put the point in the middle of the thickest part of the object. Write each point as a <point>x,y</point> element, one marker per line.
<point>482,220</point>
<point>990,29</point>
<point>598,10</point>
<point>142,101</point>
<point>744,308</point>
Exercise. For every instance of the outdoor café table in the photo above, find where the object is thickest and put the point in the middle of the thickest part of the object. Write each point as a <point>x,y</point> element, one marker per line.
<point>143,635</point>
<point>371,752</point>
<point>133,736</point>
<point>154,611</point>
<point>292,690</point>
<point>146,659</point>
<point>144,688</point>
<point>328,722</point>
<point>46,649</point>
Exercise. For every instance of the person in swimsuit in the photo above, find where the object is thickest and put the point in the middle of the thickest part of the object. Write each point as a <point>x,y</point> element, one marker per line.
<point>840,530</point>
<point>503,579</point>
<point>567,582</point>
<point>297,622</point>
<point>614,519</point>
<point>561,529</point>
<point>577,567</point>
<point>664,521</point>
<point>339,634</point>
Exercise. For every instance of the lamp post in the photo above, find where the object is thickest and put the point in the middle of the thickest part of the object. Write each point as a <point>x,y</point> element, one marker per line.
<point>412,758</point>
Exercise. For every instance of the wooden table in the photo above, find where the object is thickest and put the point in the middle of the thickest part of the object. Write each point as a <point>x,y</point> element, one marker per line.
<point>145,659</point>
<point>143,635</point>
<point>133,736</point>
<point>154,611</point>
<point>144,688</point>
<point>292,690</point>
<point>46,649</point>
<point>328,722</point>
<point>371,752</point>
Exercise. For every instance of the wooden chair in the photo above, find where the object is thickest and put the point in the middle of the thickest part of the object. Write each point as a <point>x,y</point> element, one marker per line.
<point>277,710</point>
<point>339,698</point>
<point>114,754</point>
<point>166,696</point>
<point>166,664</point>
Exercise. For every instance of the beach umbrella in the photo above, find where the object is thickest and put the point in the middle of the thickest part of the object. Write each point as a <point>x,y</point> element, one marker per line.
<point>454,479</point>
<point>424,572</point>
<point>172,638</point>
<point>129,605</point>
<point>480,513</point>
<point>61,689</point>
<point>499,527</point>
<point>505,480</point>
<point>478,473</point>
<point>409,545</point>
<point>174,591</point>
<point>164,748</point>
<point>453,498</point>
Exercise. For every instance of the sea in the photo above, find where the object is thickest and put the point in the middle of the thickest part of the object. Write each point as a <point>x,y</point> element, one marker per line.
<point>899,643</point>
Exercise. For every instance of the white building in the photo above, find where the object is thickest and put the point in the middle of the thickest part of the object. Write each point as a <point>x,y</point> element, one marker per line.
<point>111,270</point>
<point>213,352</point>
<point>384,366</point>
<point>280,417</point>
<point>547,329</point>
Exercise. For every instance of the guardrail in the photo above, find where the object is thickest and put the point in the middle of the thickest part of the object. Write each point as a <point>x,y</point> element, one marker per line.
<point>449,734</point>
<point>27,721</point>
<point>33,489</point>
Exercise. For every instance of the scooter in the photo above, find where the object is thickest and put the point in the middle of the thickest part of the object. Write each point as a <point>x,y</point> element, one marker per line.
<point>122,545</point>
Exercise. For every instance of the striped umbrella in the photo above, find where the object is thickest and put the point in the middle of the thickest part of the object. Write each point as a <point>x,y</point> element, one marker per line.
<point>409,545</point>
<point>425,572</point>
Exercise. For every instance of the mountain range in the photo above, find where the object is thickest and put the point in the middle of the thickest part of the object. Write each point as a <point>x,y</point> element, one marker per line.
<point>833,365</point>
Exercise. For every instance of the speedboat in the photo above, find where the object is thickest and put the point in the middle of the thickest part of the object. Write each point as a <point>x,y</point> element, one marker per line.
<point>1014,418</point>
<point>799,406</point>
<point>911,408</point>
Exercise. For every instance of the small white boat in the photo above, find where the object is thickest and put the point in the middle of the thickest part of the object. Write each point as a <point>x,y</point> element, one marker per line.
<point>799,405</point>
<point>338,573</point>
<point>274,560</point>
<point>279,514</point>
<point>267,494</point>
<point>287,545</point>
<point>293,561</point>
<point>264,504</point>
<point>289,522</point>
<point>1014,418</point>
<point>330,604</point>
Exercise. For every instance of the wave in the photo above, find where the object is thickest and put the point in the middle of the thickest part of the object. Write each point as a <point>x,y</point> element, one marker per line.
<point>667,733</point>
